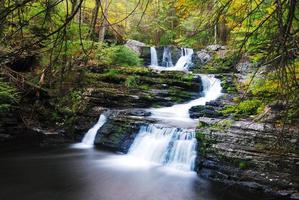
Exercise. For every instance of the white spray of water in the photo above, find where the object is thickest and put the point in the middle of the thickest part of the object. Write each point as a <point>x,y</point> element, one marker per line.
<point>174,147</point>
<point>167,60</point>
<point>154,57</point>
<point>179,113</point>
<point>89,137</point>
<point>183,64</point>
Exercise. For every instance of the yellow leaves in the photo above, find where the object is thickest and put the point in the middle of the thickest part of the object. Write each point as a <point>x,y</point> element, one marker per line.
<point>271,9</point>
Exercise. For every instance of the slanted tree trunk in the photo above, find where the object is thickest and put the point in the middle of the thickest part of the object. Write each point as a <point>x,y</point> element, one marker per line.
<point>94,19</point>
<point>2,22</point>
<point>104,22</point>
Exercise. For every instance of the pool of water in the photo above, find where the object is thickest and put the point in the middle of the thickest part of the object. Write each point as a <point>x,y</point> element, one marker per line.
<point>89,174</point>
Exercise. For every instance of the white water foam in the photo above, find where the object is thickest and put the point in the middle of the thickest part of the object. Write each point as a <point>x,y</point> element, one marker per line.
<point>89,137</point>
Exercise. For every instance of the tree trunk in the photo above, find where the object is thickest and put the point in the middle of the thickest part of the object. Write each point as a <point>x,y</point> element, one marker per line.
<point>94,19</point>
<point>104,23</point>
<point>2,9</point>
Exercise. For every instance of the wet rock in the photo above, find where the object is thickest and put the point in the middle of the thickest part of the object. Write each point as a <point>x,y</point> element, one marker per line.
<point>215,103</point>
<point>209,121</point>
<point>142,113</point>
<point>295,196</point>
<point>118,133</point>
<point>243,67</point>
<point>204,111</point>
<point>241,152</point>
<point>203,56</point>
<point>215,47</point>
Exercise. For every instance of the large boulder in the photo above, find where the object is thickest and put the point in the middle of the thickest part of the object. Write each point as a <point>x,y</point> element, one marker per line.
<point>135,46</point>
<point>120,130</point>
<point>203,56</point>
<point>215,47</point>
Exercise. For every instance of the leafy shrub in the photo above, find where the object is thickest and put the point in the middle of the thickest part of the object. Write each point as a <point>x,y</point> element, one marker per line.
<point>117,55</point>
<point>219,64</point>
<point>132,81</point>
<point>244,108</point>
<point>8,96</point>
<point>112,72</point>
<point>125,56</point>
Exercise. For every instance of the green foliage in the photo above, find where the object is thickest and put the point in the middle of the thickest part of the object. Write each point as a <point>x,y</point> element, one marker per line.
<point>243,164</point>
<point>125,56</point>
<point>8,96</point>
<point>223,124</point>
<point>71,103</point>
<point>219,64</point>
<point>264,87</point>
<point>244,108</point>
<point>205,143</point>
<point>112,72</point>
<point>132,81</point>
<point>117,55</point>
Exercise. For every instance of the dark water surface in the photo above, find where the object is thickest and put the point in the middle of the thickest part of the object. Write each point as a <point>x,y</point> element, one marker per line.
<point>89,174</point>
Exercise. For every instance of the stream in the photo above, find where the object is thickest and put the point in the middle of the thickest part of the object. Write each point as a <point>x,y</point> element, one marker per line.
<point>159,165</point>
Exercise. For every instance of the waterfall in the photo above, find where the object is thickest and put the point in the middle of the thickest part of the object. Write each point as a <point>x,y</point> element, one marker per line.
<point>154,57</point>
<point>183,64</point>
<point>179,113</point>
<point>167,60</point>
<point>89,137</point>
<point>185,61</point>
<point>173,147</point>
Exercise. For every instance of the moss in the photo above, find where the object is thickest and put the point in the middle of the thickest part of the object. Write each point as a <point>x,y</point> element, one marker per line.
<point>243,164</point>
<point>205,143</point>
<point>237,162</point>
<point>218,64</point>
<point>132,81</point>
<point>244,108</point>
<point>223,124</point>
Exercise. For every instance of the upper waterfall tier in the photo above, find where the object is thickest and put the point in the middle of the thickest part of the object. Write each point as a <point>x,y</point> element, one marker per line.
<point>183,63</point>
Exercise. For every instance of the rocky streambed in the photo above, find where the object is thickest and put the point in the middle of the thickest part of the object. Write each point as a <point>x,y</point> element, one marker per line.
<point>237,153</point>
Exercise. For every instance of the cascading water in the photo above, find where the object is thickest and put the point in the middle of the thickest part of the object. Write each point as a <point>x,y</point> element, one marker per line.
<point>154,57</point>
<point>173,147</point>
<point>185,61</point>
<point>89,137</point>
<point>167,60</point>
<point>183,64</point>
<point>179,114</point>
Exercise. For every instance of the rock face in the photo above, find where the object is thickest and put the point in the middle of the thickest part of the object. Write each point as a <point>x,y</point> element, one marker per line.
<point>15,135</point>
<point>215,47</point>
<point>203,56</point>
<point>135,46</point>
<point>119,132</point>
<point>204,111</point>
<point>242,153</point>
<point>145,55</point>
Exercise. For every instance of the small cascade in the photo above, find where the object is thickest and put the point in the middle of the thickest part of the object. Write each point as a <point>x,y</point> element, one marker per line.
<point>167,60</point>
<point>154,57</point>
<point>89,137</point>
<point>182,155</point>
<point>173,147</point>
<point>185,61</point>
<point>179,113</point>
